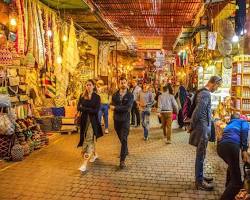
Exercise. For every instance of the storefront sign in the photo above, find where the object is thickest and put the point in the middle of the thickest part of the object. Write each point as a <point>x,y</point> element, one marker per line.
<point>150,42</point>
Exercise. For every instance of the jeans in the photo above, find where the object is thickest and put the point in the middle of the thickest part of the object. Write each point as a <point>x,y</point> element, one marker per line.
<point>122,130</point>
<point>200,158</point>
<point>166,121</point>
<point>135,114</point>
<point>104,111</point>
<point>145,122</point>
<point>229,152</point>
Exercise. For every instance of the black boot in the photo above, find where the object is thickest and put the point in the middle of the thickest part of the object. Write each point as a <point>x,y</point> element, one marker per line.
<point>204,186</point>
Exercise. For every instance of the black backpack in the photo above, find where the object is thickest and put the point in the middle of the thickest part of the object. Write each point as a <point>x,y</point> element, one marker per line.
<point>193,104</point>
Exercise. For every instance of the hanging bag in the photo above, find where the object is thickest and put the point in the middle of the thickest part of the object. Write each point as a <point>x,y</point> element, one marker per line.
<point>6,125</point>
<point>14,81</point>
<point>4,100</point>
<point>3,86</point>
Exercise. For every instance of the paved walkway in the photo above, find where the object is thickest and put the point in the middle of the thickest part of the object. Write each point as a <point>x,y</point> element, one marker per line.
<point>155,171</point>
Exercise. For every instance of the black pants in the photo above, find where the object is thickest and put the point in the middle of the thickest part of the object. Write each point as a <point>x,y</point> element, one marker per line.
<point>229,152</point>
<point>180,119</point>
<point>122,130</point>
<point>135,114</point>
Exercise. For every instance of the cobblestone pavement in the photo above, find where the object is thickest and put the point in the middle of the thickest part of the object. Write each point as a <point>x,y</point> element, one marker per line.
<point>155,171</point>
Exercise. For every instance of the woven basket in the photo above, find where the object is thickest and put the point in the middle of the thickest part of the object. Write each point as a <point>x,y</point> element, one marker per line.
<point>6,143</point>
<point>17,152</point>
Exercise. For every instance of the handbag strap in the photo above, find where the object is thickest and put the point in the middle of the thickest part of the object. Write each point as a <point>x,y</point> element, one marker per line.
<point>15,92</point>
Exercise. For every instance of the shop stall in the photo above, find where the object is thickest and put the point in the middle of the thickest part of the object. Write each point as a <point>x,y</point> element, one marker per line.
<point>44,62</point>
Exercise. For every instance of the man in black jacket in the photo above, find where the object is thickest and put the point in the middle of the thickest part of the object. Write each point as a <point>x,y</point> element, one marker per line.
<point>122,102</point>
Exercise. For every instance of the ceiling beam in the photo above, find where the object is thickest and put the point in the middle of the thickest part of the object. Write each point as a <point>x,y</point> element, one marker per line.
<point>102,2</point>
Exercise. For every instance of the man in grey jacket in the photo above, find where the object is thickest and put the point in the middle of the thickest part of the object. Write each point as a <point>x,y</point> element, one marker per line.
<point>201,130</point>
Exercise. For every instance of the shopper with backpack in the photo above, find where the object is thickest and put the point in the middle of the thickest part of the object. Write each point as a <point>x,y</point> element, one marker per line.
<point>200,130</point>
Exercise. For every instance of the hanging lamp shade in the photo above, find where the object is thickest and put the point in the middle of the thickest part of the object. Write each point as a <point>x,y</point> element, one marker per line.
<point>226,29</point>
<point>225,47</point>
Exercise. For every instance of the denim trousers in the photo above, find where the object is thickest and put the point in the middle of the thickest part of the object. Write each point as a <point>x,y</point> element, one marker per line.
<point>200,158</point>
<point>145,122</point>
<point>104,111</point>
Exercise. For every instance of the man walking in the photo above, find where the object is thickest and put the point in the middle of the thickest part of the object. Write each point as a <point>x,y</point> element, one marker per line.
<point>145,101</point>
<point>135,110</point>
<point>122,102</point>
<point>201,130</point>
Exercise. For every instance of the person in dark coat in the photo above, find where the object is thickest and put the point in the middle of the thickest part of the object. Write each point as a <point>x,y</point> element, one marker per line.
<point>200,130</point>
<point>122,102</point>
<point>90,127</point>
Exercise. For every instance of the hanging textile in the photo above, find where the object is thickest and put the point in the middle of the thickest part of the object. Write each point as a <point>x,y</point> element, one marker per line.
<point>30,41</point>
<point>56,46</point>
<point>72,57</point>
<point>46,26</point>
<point>50,85</point>
<point>21,33</point>
<point>39,53</point>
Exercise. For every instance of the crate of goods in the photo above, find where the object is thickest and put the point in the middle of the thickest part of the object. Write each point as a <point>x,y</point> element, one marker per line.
<point>45,124</point>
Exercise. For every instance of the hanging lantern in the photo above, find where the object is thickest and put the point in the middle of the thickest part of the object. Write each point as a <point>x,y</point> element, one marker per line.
<point>49,33</point>
<point>64,38</point>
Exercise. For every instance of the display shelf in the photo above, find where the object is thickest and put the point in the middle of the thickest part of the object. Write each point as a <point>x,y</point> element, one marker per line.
<point>240,87</point>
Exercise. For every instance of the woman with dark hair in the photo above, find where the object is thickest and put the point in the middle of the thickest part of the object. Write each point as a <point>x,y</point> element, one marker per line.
<point>181,96</point>
<point>90,127</point>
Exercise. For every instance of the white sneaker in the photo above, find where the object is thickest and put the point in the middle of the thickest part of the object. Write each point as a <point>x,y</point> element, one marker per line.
<point>93,158</point>
<point>165,140</point>
<point>83,168</point>
<point>168,142</point>
<point>106,131</point>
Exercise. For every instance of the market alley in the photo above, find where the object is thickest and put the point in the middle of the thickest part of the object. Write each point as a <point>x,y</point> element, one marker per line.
<point>155,171</point>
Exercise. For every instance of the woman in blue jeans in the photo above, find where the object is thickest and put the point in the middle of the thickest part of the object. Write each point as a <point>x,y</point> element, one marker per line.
<point>234,140</point>
<point>145,101</point>
<point>104,109</point>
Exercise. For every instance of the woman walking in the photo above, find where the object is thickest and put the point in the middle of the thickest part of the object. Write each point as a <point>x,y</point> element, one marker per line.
<point>145,101</point>
<point>167,105</point>
<point>90,127</point>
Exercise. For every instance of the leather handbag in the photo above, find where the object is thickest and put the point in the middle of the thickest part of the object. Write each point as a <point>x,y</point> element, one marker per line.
<point>6,125</point>
<point>13,90</point>
<point>14,99</point>
<point>22,71</point>
<point>11,72</point>
<point>14,81</point>
<point>22,89</point>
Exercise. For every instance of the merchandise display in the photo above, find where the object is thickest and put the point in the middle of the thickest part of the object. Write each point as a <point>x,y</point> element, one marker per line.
<point>240,89</point>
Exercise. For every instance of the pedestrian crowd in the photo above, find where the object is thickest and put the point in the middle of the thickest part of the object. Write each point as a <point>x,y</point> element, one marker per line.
<point>132,106</point>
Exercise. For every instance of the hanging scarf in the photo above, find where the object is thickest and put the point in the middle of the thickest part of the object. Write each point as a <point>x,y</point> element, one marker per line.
<point>72,50</point>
